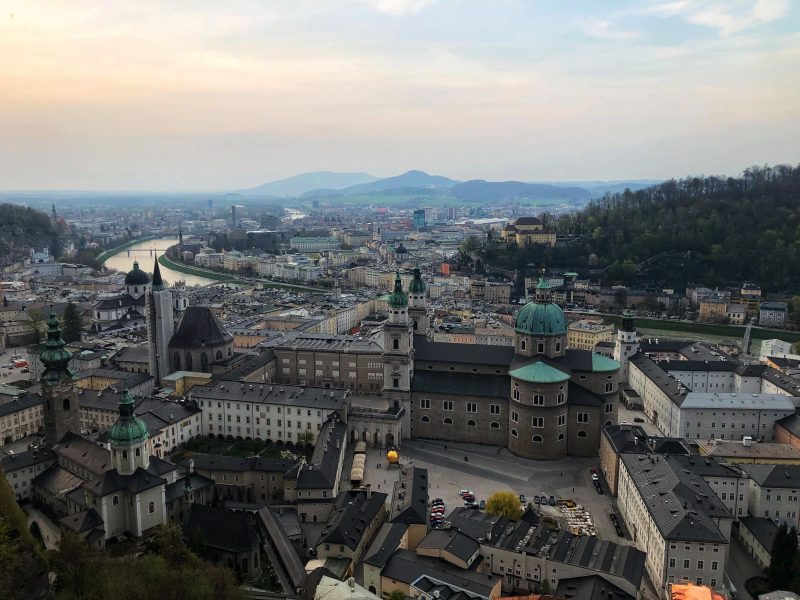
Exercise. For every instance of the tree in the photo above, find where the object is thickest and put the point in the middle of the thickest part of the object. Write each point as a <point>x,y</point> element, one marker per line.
<point>397,595</point>
<point>38,320</point>
<point>783,557</point>
<point>504,504</point>
<point>72,323</point>
<point>794,307</point>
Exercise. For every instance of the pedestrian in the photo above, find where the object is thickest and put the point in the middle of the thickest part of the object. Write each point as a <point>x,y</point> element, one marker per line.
<point>573,490</point>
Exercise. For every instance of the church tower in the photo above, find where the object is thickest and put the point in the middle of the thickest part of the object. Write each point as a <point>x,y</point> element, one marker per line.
<point>417,310</point>
<point>61,412</point>
<point>128,439</point>
<point>625,344</point>
<point>398,353</point>
<point>160,325</point>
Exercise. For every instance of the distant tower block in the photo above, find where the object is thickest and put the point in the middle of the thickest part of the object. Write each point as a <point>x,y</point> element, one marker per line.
<point>61,412</point>
<point>626,344</point>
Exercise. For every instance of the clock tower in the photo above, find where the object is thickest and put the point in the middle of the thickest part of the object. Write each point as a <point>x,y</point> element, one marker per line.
<point>61,411</point>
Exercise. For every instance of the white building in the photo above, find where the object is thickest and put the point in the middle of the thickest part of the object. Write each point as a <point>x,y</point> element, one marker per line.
<point>775,492</point>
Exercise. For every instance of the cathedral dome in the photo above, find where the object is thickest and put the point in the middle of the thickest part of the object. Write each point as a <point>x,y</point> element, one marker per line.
<point>136,276</point>
<point>541,317</point>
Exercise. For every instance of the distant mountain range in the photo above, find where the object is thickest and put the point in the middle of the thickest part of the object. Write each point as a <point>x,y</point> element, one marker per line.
<point>328,184</point>
<point>300,184</point>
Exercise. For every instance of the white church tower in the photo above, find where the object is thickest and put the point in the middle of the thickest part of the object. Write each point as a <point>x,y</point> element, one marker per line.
<point>160,325</point>
<point>398,353</point>
<point>626,344</point>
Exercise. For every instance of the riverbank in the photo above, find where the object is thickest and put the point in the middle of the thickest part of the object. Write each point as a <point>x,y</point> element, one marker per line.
<point>223,278</point>
<point>116,250</point>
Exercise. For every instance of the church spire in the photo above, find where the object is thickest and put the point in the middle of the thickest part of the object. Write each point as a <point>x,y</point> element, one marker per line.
<point>55,357</point>
<point>158,283</point>
<point>398,298</point>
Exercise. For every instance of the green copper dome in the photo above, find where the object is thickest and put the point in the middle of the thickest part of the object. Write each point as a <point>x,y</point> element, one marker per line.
<point>398,298</point>
<point>55,357</point>
<point>417,285</point>
<point>129,429</point>
<point>542,316</point>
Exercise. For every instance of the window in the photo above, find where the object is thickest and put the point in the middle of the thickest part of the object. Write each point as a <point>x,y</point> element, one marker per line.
<point>537,439</point>
<point>609,408</point>
<point>204,362</point>
<point>560,398</point>
<point>176,360</point>
<point>395,344</point>
<point>425,419</point>
<point>514,433</point>
<point>562,420</point>
<point>115,500</point>
<point>494,409</point>
<point>540,347</point>
<point>188,361</point>
<point>447,405</point>
<point>515,392</point>
<point>582,434</point>
<point>494,425</point>
<point>714,565</point>
<point>700,564</point>
<point>583,417</point>
<point>472,407</point>
<point>560,436</point>
<point>471,423</point>
<point>395,382</point>
<point>447,421</point>
<point>515,416</point>
<point>672,563</point>
<point>686,563</point>
<point>425,403</point>
<point>151,508</point>
<point>713,582</point>
<point>537,422</point>
<point>538,399</point>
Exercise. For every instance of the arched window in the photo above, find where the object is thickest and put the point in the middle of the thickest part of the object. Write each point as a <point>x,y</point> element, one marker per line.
<point>176,360</point>
<point>494,425</point>
<point>425,419</point>
<point>514,433</point>
<point>115,500</point>
<point>151,508</point>
<point>447,421</point>
<point>582,434</point>
<point>396,344</point>
<point>136,290</point>
<point>608,423</point>
<point>522,344</point>
<point>415,325</point>
<point>218,355</point>
<point>229,352</point>
<point>470,423</point>
<point>516,391</point>
<point>560,397</point>
<point>540,348</point>
<point>538,399</point>
<point>124,454</point>
<point>610,386</point>
<point>188,361</point>
<point>560,436</point>
<point>138,452</point>
<point>538,439</point>
<point>66,403</point>
<point>204,362</point>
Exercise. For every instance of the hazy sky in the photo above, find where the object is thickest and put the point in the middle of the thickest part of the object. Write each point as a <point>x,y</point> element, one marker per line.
<point>194,95</point>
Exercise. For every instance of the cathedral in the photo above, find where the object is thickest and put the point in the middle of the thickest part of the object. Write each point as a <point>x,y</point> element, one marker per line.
<point>125,308</point>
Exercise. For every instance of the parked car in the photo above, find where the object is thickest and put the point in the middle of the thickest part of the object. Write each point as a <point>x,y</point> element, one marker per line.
<point>465,492</point>
<point>552,501</point>
<point>522,499</point>
<point>482,505</point>
<point>537,499</point>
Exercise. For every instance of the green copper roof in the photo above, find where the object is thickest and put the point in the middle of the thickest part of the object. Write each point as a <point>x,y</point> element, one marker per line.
<point>539,372</point>
<point>398,298</point>
<point>55,357</point>
<point>417,285</point>
<point>537,318</point>
<point>542,285</point>
<point>603,364</point>
<point>129,429</point>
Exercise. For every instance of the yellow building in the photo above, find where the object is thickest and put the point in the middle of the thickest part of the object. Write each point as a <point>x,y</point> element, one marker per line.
<point>713,310</point>
<point>586,334</point>
<point>526,231</point>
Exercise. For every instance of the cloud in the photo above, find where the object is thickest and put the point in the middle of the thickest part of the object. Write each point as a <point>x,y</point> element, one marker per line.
<point>603,29</point>
<point>398,7</point>
<point>726,17</point>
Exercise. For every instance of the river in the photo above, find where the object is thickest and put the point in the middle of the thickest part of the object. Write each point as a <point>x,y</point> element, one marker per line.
<point>145,253</point>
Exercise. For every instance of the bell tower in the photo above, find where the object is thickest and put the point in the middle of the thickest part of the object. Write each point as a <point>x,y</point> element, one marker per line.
<point>625,345</point>
<point>398,352</point>
<point>160,325</point>
<point>61,412</point>
<point>417,309</point>
<point>128,439</point>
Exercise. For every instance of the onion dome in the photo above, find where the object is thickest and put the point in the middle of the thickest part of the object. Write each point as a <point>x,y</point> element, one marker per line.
<point>542,316</point>
<point>129,429</point>
<point>417,285</point>
<point>136,276</point>
<point>398,298</point>
<point>55,357</point>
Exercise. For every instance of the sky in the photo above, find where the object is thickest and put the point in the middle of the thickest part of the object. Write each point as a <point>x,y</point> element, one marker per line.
<point>209,95</point>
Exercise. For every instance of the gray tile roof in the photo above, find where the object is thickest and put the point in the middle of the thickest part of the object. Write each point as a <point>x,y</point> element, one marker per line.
<point>680,502</point>
<point>321,472</point>
<point>409,503</point>
<point>774,476</point>
<point>28,458</point>
<point>467,384</point>
<point>406,566</point>
<point>451,541</point>
<point>763,529</point>
<point>353,514</point>
<point>475,354</point>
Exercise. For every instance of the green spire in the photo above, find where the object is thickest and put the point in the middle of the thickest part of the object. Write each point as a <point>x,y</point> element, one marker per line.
<point>417,285</point>
<point>398,298</point>
<point>55,357</point>
<point>129,429</point>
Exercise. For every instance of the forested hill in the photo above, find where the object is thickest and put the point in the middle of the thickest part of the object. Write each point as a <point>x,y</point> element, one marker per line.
<point>708,230</point>
<point>24,228</point>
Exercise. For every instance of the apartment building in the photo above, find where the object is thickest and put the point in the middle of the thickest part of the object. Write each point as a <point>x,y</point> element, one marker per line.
<point>775,492</point>
<point>313,244</point>
<point>586,334</point>
<point>20,469</point>
<point>676,518</point>
<point>20,417</point>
